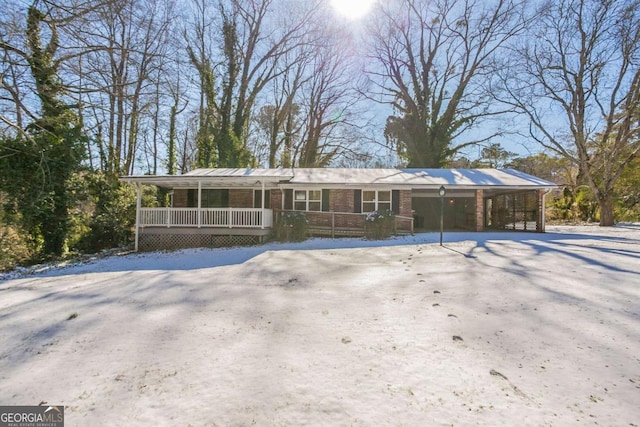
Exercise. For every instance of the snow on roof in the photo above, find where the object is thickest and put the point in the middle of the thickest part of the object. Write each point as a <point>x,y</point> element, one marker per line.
<point>477,178</point>
<point>414,178</point>
<point>419,177</point>
<point>242,172</point>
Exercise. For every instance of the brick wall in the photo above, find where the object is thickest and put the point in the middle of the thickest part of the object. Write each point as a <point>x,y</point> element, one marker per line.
<point>405,203</point>
<point>341,200</point>
<point>540,212</point>
<point>180,198</point>
<point>479,210</point>
<point>241,198</point>
<point>276,199</point>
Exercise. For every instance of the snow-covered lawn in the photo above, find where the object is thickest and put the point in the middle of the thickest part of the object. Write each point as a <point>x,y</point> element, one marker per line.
<point>491,329</point>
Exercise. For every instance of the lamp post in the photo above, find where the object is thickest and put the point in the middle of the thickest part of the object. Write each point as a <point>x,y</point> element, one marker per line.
<point>442,191</point>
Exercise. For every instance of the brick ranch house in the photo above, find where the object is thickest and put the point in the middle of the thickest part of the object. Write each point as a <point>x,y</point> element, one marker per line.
<point>219,207</point>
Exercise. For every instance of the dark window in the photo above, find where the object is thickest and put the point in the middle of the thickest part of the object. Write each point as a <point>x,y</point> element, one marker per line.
<point>210,198</point>
<point>257,199</point>
<point>288,199</point>
<point>326,197</point>
<point>215,199</point>
<point>395,202</point>
<point>357,201</point>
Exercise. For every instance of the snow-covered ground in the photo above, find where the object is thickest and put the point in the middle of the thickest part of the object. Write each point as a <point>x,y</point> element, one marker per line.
<point>491,329</point>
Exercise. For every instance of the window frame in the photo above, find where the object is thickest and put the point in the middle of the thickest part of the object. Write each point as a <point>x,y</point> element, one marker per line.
<point>376,201</point>
<point>307,201</point>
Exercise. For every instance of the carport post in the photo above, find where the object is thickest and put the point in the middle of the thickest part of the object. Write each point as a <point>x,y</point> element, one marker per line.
<point>442,191</point>
<point>138,207</point>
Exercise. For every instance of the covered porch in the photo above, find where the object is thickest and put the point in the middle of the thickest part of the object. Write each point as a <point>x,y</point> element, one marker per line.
<point>204,212</point>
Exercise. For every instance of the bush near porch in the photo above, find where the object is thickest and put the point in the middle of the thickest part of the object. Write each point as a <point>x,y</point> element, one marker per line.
<point>291,227</point>
<point>379,224</point>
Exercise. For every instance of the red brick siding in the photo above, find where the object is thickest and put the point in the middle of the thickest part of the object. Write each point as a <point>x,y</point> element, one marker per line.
<point>180,198</point>
<point>405,203</point>
<point>341,200</point>
<point>276,199</point>
<point>241,198</point>
<point>541,212</point>
<point>479,210</point>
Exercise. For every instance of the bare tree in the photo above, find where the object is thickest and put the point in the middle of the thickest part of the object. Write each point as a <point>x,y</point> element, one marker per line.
<point>430,61</point>
<point>329,102</point>
<point>278,121</point>
<point>253,38</point>
<point>126,43</point>
<point>579,87</point>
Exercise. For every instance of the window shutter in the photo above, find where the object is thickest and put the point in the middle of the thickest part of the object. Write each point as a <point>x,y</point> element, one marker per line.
<point>357,201</point>
<point>325,200</point>
<point>192,198</point>
<point>395,202</point>
<point>288,199</point>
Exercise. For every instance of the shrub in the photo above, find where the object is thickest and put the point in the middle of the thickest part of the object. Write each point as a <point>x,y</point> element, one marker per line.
<point>379,224</point>
<point>14,248</point>
<point>292,227</point>
<point>109,214</point>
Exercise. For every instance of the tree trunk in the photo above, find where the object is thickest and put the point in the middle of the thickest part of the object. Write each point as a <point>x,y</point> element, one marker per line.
<point>606,210</point>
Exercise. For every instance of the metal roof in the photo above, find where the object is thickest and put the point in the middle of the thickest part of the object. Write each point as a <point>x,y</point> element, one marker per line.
<point>233,177</point>
<point>349,177</point>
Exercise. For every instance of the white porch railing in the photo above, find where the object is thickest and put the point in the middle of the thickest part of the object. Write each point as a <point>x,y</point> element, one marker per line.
<point>206,217</point>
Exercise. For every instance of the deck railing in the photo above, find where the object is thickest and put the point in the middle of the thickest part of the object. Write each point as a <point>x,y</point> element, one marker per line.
<point>206,217</point>
<point>346,222</point>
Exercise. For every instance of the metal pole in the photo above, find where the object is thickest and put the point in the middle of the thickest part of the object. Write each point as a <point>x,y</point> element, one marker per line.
<point>441,217</point>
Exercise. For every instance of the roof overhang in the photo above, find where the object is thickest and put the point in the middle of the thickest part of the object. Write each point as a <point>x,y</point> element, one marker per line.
<point>212,178</point>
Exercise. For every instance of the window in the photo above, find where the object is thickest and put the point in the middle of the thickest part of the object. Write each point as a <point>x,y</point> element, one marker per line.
<point>210,198</point>
<point>307,200</point>
<point>374,200</point>
<point>257,199</point>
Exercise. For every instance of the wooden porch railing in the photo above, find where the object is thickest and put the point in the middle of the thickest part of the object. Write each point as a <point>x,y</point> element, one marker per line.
<point>206,217</point>
<point>346,222</point>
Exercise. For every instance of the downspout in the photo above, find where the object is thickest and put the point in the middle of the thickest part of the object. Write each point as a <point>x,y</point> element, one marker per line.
<point>138,207</point>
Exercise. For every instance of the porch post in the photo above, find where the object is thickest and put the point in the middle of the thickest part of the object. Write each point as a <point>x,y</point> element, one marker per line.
<point>262,213</point>
<point>480,220</point>
<point>199,203</point>
<point>138,207</point>
<point>542,203</point>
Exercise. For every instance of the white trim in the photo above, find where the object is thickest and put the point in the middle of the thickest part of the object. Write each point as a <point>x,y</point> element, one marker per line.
<point>199,204</point>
